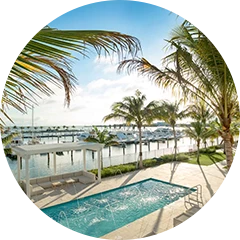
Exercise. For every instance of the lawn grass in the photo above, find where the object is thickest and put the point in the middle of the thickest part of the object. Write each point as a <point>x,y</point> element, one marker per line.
<point>206,159</point>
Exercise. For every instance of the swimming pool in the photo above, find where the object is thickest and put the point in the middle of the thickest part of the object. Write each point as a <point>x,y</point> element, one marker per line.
<point>102,213</point>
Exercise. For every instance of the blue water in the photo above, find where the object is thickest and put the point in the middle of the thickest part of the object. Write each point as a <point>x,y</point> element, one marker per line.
<point>102,213</point>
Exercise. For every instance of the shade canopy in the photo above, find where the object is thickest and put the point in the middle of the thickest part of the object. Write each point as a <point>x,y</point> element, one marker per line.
<point>26,151</point>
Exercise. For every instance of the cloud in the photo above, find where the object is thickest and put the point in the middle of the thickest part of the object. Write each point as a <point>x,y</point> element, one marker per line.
<point>90,103</point>
<point>106,64</point>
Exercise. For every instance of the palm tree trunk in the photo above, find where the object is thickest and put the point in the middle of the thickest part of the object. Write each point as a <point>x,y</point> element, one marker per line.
<point>205,144</point>
<point>198,151</point>
<point>140,148</point>
<point>175,143</point>
<point>228,148</point>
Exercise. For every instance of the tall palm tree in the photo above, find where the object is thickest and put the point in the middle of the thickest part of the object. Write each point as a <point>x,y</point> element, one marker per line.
<point>133,110</point>
<point>102,137</point>
<point>199,111</point>
<point>171,113</point>
<point>199,132</point>
<point>47,59</point>
<point>196,69</point>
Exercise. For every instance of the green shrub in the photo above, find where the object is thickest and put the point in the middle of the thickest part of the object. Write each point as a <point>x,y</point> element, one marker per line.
<point>208,150</point>
<point>167,158</point>
<point>182,157</point>
<point>211,149</point>
<point>150,163</point>
<point>116,170</point>
<point>218,147</point>
<point>106,172</point>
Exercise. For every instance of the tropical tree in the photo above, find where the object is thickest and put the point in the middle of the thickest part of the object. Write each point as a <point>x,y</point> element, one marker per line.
<point>199,132</point>
<point>171,113</point>
<point>47,59</point>
<point>102,137</point>
<point>195,69</point>
<point>6,140</point>
<point>199,111</point>
<point>133,110</point>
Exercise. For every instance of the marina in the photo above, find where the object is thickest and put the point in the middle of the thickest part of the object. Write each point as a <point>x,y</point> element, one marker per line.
<point>126,152</point>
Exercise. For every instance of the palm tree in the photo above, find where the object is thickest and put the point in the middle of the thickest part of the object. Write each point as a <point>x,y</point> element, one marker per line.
<point>170,113</point>
<point>6,140</point>
<point>103,138</point>
<point>201,112</point>
<point>199,132</point>
<point>47,59</point>
<point>133,110</point>
<point>197,70</point>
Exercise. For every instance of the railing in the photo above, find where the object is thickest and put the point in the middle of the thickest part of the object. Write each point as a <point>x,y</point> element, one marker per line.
<point>189,197</point>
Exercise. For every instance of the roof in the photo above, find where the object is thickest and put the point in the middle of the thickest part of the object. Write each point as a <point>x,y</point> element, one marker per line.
<point>28,150</point>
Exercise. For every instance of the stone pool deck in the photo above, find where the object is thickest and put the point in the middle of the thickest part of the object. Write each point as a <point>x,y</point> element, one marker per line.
<point>189,175</point>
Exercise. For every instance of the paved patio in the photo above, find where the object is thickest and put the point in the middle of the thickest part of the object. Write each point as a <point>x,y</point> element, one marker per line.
<point>210,177</point>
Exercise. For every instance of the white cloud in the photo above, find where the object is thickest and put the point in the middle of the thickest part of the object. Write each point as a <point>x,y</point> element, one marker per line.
<point>106,64</point>
<point>90,103</point>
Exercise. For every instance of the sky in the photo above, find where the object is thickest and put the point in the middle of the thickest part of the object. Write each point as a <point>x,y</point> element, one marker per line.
<point>98,83</point>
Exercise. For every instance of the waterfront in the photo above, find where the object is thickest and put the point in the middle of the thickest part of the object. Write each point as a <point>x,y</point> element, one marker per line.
<point>42,165</point>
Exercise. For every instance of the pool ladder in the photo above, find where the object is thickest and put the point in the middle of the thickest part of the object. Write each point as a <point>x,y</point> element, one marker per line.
<point>194,198</point>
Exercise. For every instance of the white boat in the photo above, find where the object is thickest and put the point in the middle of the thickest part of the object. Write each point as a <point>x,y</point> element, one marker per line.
<point>148,135</point>
<point>82,136</point>
<point>131,137</point>
<point>34,141</point>
<point>119,137</point>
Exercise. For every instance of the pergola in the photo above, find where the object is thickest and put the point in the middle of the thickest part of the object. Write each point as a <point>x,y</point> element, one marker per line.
<point>25,152</point>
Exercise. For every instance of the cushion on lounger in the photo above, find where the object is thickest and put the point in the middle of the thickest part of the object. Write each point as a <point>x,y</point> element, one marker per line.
<point>36,190</point>
<point>75,178</point>
<point>67,175</point>
<point>79,173</point>
<point>89,175</point>
<point>56,184</point>
<point>33,181</point>
<point>43,179</point>
<point>69,180</point>
<point>45,184</point>
<point>85,180</point>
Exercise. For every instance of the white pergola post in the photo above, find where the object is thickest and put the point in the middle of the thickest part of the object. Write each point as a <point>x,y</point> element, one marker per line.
<point>55,163</point>
<point>99,165</point>
<point>84,160</point>
<point>18,169</point>
<point>27,177</point>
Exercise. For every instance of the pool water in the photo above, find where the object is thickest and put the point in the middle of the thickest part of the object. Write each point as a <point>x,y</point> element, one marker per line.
<point>102,213</point>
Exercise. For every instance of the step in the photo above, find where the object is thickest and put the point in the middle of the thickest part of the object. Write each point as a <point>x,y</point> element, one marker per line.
<point>196,204</point>
<point>195,211</point>
<point>182,218</point>
<point>195,200</point>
